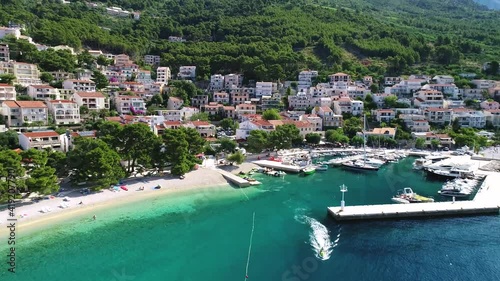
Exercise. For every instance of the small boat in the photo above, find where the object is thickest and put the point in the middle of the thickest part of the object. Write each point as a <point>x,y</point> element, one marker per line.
<point>124,188</point>
<point>322,252</point>
<point>359,165</point>
<point>407,195</point>
<point>309,170</point>
<point>321,167</point>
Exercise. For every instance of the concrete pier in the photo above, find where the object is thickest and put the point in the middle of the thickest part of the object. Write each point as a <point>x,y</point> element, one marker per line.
<point>399,211</point>
<point>278,166</point>
<point>486,201</point>
<point>234,178</point>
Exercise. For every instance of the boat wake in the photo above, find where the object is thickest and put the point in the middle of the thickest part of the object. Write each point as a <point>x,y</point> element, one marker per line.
<point>319,238</point>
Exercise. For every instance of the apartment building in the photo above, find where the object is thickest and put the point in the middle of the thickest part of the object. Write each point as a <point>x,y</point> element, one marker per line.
<point>64,112</point>
<point>4,52</point>
<point>245,108</point>
<point>438,115</point>
<point>79,85</point>
<point>43,92</point>
<point>469,118</point>
<point>384,115</point>
<point>221,97</point>
<point>187,72</point>
<point>92,100</point>
<point>340,77</point>
<point>152,59</point>
<point>428,98</point>
<point>26,74</point>
<point>199,100</point>
<point>174,103</point>
<point>216,82</point>
<point>20,113</point>
<point>163,75</point>
<point>40,140</point>
<point>122,59</point>
<point>265,89</point>
<point>130,105</point>
<point>233,80</point>
<point>7,92</point>
<point>329,118</point>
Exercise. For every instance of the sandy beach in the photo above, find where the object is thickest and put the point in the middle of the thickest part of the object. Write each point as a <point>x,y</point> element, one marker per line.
<point>31,217</point>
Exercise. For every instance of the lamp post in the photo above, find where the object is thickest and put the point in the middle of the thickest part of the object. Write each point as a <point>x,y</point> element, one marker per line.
<point>343,189</point>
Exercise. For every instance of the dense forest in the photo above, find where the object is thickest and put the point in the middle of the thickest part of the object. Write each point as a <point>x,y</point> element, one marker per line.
<point>274,39</point>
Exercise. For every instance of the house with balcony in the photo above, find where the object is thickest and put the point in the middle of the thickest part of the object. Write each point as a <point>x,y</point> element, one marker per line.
<point>20,113</point>
<point>415,122</point>
<point>315,120</point>
<point>64,112</point>
<point>269,102</point>
<point>405,87</point>
<point>247,126</point>
<point>471,94</point>
<point>43,92</point>
<point>329,118</point>
<point>221,97</point>
<point>428,98</point>
<point>213,108</point>
<point>163,74</point>
<point>4,52</point>
<point>306,78</point>
<point>7,92</point>
<point>469,118</point>
<point>242,90</point>
<point>483,84</point>
<point>152,59</point>
<point>204,128</point>
<point>132,86</point>
<point>384,115</point>
<point>130,105</point>
<point>174,103</point>
<point>449,90</point>
<point>79,85</point>
<point>436,115</point>
<point>122,59</point>
<point>489,104</point>
<point>443,139</point>
<point>444,79</point>
<point>304,127</point>
<point>339,77</point>
<point>216,82</point>
<point>390,81</point>
<point>233,80</point>
<point>26,73</point>
<point>187,72</point>
<point>245,109</point>
<point>92,100</point>
<point>265,89</point>
<point>493,116</point>
<point>40,140</point>
<point>239,98</point>
<point>199,101</point>
<point>347,105</point>
<point>380,132</point>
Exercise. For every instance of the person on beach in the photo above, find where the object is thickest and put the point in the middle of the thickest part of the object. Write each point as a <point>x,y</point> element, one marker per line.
<point>94,217</point>
<point>81,203</point>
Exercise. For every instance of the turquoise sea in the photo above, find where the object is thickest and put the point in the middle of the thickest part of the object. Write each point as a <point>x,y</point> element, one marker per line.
<point>206,236</point>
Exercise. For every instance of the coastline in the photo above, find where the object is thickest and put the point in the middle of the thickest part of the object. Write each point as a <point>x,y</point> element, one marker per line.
<point>203,180</point>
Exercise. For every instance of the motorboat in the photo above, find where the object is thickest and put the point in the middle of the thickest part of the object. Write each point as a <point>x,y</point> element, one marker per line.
<point>420,163</point>
<point>407,195</point>
<point>452,173</point>
<point>359,165</point>
<point>323,167</point>
<point>309,170</point>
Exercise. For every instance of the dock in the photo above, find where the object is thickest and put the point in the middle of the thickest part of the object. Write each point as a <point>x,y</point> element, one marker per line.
<point>415,210</point>
<point>278,166</point>
<point>241,182</point>
<point>486,201</point>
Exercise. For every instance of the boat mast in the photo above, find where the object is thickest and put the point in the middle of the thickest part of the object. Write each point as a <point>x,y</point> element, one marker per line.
<point>364,138</point>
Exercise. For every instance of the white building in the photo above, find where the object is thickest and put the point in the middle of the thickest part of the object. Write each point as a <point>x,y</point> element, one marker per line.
<point>246,127</point>
<point>14,31</point>
<point>130,105</point>
<point>43,92</point>
<point>19,113</point>
<point>233,80</point>
<point>40,140</point>
<point>64,112</point>
<point>428,98</point>
<point>162,75</point>
<point>4,52</point>
<point>469,118</point>
<point>174,103</point>
<point>305,79</point>
<point>384,115</point>
<point>26,73</point>
<point>329,118</point>
<point>438,115</point>
<point>221,97</point>
<point>265,89</point>
<point>92,100</point>
<point>79,85</point>
<point>7,92</point>
<point>187,72</point>
<point>216,82</point>
<point>444,79</point>
<point>152,59</point>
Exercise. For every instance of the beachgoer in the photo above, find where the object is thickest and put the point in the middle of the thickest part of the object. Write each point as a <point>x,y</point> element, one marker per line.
<point>94,217</point>
<point>81,203</point>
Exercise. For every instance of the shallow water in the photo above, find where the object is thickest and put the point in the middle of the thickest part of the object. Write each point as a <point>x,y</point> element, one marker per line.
<point>205,236</point>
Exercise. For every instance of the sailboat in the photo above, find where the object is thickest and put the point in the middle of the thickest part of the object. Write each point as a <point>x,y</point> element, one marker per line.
<point>361,165</point>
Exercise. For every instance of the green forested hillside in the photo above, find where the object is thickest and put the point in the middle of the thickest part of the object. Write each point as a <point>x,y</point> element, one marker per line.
<point>274,39</point>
